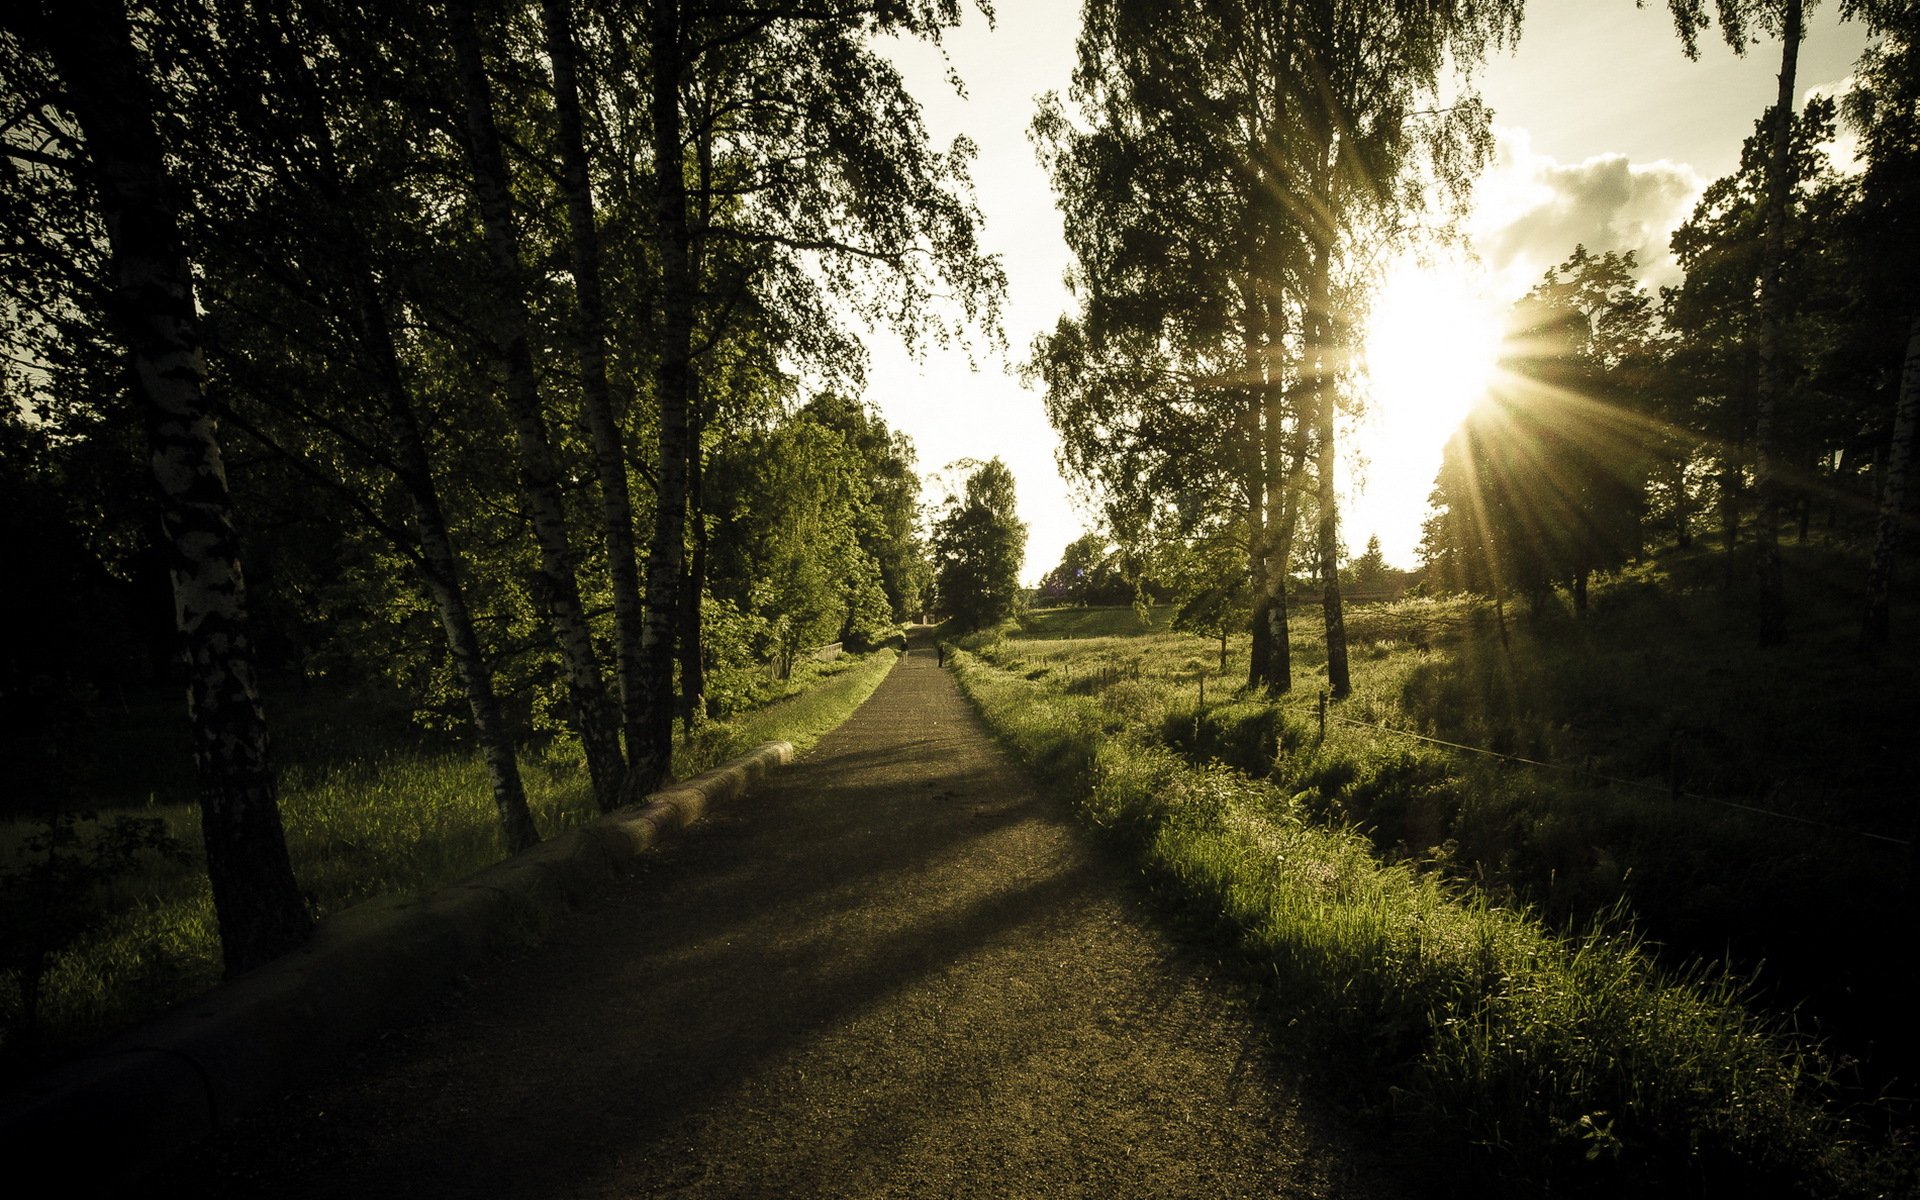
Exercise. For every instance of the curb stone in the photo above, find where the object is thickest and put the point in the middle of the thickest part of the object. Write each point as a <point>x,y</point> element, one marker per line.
<point>154,1091</point>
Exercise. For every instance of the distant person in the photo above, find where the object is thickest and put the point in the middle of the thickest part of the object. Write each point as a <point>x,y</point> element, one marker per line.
<point>940,652</point>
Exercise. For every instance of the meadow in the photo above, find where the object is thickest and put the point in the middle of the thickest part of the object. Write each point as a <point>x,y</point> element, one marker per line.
<point>1598,965</point>
<point>371,804</point>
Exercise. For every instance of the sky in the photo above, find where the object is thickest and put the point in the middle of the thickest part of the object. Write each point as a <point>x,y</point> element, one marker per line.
<point>1605,135</point>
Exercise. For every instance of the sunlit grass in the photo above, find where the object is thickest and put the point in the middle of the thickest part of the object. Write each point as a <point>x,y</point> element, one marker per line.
<point>1565,1061</point>
<point>397,822</point>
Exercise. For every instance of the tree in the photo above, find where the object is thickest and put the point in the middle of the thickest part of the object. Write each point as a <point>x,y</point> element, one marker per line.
<point>507,322</point>
<point>590,349</point>
<point>1369,571</point>
<point>979,544</point>
<point>1546,483</point>
<point>114,104</point>
<point>842,191</point>
<point>1885,108</point>
<point>795,540</point>
<point>1784,19</point>
<point>1711,364</point>
<point>1087,574</point>
<point>1234,168</point>
<point>283,260</point>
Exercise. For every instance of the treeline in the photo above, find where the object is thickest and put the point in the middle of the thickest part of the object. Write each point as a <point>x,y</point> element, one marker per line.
<point>1625,419</point>
<point>1230,175</point>
<point>495,317</point>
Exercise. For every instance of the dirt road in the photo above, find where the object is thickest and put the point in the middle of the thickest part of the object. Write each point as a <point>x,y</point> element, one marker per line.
<point>894,970</point>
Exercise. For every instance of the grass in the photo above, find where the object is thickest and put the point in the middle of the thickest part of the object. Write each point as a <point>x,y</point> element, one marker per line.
<point>1569,1063</point>
<point>1660,685</point>
<point>1631,884</point>
<point>397,820</point>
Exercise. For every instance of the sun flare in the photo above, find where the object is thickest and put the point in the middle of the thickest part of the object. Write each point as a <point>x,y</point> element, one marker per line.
<point>1432,344</point>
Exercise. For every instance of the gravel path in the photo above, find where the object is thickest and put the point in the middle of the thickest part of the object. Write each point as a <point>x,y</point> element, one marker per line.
<point>893,970</point>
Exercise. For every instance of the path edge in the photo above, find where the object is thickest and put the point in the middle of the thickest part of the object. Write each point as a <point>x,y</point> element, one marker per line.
<point>145,1096</point>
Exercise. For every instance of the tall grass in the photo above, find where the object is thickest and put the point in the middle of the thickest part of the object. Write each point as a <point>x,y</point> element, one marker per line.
<point>396,822</point>
<point>1658,686</point>
<point>1531,1060</point>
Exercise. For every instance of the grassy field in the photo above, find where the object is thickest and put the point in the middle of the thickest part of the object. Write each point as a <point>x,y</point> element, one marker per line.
<point>369,807</point>
<point>1660,685</point>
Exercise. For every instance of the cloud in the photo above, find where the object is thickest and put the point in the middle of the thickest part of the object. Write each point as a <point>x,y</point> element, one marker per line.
<point>1531,210</point>
<point>1844,149</point>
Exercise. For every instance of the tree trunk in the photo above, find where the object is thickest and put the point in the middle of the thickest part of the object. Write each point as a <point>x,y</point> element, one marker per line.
<point>257,904</point>
<point>1767,338</point>
<point>1877,626</point>
<point>1283,482</point>
<point>1729,517</point>
<point>609,446</point>
<point>1292,487</point>
<point>1682,512</point>
<point>593,715</point>
<point>693,672</point>
<point>1319,363</point>
<point>653,759</point>
<point>1260,624</point>
<point>439,561</point>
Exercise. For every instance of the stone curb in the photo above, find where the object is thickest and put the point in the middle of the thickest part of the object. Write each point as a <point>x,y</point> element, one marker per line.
<point>143,1097</point>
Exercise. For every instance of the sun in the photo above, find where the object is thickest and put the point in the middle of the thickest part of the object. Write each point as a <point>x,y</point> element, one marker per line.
<point>1432,344</point>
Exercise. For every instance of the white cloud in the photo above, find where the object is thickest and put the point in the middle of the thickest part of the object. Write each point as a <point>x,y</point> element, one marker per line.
<point>1531,210</point>
<point>1844,149</point>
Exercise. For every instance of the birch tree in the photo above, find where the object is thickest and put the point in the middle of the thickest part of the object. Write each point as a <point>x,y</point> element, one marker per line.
<point>781,142</point>
<point>115,106</point>
<point>594,715</point>
<point>1239,162</point>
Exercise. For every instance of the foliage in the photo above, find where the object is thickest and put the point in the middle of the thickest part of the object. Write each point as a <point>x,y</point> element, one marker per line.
<point>369,810</point>
<point>1545,482</point>
<point>814,516</point>
<point>1089,572</point>
<point>50,895</point>
<point>1230,171</point>
<point>979,544</point>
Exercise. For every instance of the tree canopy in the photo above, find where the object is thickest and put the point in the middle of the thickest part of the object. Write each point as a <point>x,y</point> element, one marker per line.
<point>979,544</point>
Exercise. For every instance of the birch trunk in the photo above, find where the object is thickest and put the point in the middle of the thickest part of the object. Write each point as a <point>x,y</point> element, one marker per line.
<point>693,675</point>
<point>1767,335</point>
<point>439,560</point>
<point>609,446</point>
<point>652,760</point>
<point>1319,360</point>
<point>1286,478</point>
<point>1254,489</point>
<point>593,715</point>
<point>1877,626</point>
<point>258,906</point>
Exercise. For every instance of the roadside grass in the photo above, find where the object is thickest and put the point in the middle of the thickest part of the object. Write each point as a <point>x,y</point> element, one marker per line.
<point>824,696</point>
<point>1530,1061</point>
<point>1660,685</point>
<point>397,820</point>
